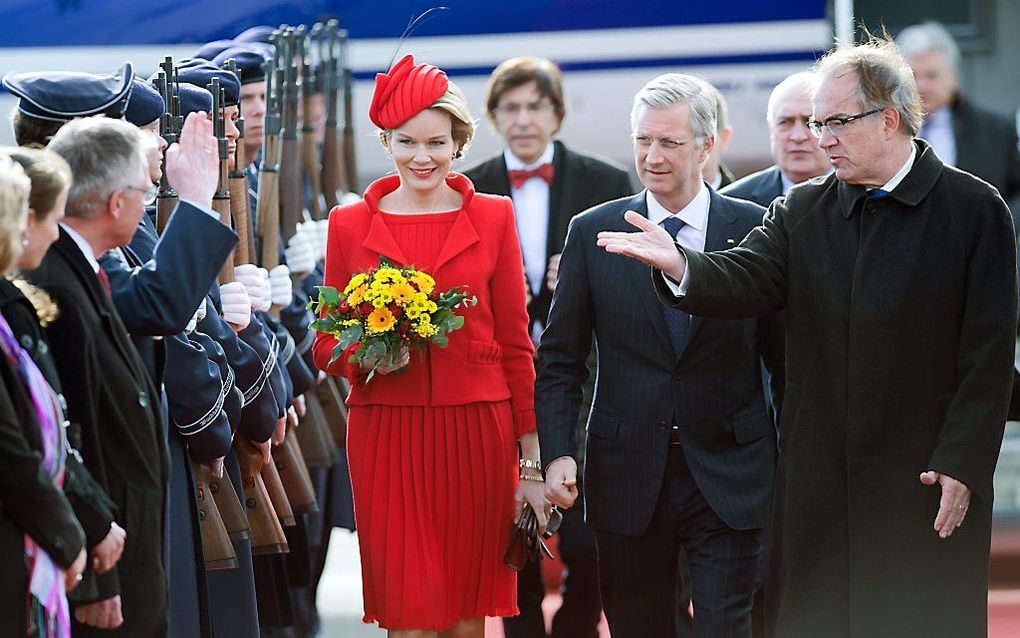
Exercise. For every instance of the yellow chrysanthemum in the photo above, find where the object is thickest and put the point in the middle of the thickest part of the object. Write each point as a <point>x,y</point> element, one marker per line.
<point>351,322</point>
<point>356,281</point>
<point>389,276</point>
<point>426,284</point>
<point>412,312</point>
<point>402,293</point>
<point>426,329</point>
<point>381,320</point>
<point>431,306</point>
<point>357,295</point>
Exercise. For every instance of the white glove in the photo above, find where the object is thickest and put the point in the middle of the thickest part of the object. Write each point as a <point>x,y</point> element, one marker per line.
<point>323,227</point>
<point>310,230</point>
<point>267,291</point>
<point>282,288</point>
<point>248,275</point>
<point>236,304</point>
<point>195,318</point>
<point>300,255</point>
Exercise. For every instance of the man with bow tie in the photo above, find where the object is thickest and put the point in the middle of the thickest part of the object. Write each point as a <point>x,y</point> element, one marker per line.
<point>681,451</point>
<point>549,184</point>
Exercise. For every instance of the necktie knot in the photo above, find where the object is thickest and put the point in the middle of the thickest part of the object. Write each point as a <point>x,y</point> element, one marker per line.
<point>877,193</point>
<point>673,224</point>
<point>519,176</point>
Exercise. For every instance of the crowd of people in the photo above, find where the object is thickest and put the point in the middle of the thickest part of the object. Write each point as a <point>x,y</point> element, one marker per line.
<point>776,400</point>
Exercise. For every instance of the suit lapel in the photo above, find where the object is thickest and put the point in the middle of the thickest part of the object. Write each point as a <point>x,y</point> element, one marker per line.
<point>462,236</point>
<point>554,237</point>
<point>380,241</point>
<point>718,236</point>
<point>640,278</point>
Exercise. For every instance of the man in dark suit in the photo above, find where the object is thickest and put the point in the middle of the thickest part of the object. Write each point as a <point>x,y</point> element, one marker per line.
<point>795,150</point>
<point>681,451</point>
<point>549,184</point>
<point>962,133</point>
<point>113,398</point>
<point>715,173</point>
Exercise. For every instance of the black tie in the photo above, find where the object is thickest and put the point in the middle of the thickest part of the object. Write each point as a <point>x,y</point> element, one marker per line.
<point>678,322</point>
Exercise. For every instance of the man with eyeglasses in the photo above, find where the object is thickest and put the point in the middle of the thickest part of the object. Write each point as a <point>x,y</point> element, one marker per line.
<point>795,150</point>
<point>898,276</point>
<point>549,184</point>
<point>681,450</point>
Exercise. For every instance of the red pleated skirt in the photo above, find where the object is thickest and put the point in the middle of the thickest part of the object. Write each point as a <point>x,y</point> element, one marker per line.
<point>433,502</point>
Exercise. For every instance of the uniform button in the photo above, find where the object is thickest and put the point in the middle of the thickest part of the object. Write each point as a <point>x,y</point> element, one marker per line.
<point>251,503</point>
<point>27,342</point>
<point>214,487</point>
<point>676,375</point>
<point>43,348</point>
<point>143,399</point>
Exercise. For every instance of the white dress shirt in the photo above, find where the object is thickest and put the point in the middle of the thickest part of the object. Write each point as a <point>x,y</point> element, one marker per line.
<point>83,246</point>
<point>531,208</point>
<point>938,132</point>
<point>694,216</point>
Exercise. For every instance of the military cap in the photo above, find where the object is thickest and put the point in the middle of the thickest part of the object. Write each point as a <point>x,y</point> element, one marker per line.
<point>194,99</point>
<point>61,96</point>
<point>201,73</point>
<point>249,60</point>
<point>256,34</point>
<point>145,104</point>
<point>210,50</point>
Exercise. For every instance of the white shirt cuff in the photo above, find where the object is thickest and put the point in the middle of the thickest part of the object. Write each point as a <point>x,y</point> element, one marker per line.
<point>678,289</point>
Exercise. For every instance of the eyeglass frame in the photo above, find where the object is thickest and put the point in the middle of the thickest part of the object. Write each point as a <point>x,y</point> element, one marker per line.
<point>148,194</point>
<point>665,143</point>
<point>816,127</point>
<point>513,109</point>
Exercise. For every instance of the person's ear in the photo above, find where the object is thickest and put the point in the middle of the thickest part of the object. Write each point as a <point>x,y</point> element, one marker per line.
<point>890,122</point>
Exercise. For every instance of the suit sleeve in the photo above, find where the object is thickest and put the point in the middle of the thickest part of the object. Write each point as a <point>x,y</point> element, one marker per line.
<point>739,283</point>
<point>510,325</point>
<point>30,498</point>
<point>968,444</point>
<point>563,352</point>
<point>160,297</point>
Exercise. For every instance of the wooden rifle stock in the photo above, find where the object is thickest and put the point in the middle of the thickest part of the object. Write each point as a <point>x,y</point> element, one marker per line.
<point>277,493</point>
<point>230,507</point>
<point>165,205</point>
<point>294,475</point>
<point>310,158</point>
<point>267,535</point>
<point>334,409</point>
<point>317,444</point>
<point>238,186</point>
<point>219,551</point>
<point>269,210</point>
<point>350,162</point>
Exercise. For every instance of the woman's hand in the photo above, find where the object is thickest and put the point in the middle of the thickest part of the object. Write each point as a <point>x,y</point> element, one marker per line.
<point>402,359</point>
<point>533,493</point>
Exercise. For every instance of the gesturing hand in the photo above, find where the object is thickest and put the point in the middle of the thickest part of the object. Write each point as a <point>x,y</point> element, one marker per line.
<point>192,163</point>
<point>652,245</point>
<point>103,614</point>
<point>953,505</point>
<point>561,482</point>
<point>109,550</point>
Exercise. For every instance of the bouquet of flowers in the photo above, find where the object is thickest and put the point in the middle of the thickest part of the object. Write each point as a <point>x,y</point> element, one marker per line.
<point>387,310</point>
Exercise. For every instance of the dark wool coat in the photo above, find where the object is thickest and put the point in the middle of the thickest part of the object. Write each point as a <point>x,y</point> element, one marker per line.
<point>900,339</point>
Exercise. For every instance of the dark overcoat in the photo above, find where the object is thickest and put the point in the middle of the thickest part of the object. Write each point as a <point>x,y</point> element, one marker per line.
<point>900,337</point>
<point>110,394</point>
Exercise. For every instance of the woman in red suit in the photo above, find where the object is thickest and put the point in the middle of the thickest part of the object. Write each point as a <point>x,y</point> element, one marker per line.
<point>444,454</point>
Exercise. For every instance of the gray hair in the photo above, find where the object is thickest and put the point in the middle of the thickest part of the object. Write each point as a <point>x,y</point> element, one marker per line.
<point>671,89</point>
<point>804,80</point>
<point>929,37</point>
<point>884,79</point>
<point>104,155</point>
<point>722,110</point>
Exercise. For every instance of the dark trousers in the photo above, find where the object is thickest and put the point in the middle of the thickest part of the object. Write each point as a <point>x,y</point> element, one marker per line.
<point>639,574</point>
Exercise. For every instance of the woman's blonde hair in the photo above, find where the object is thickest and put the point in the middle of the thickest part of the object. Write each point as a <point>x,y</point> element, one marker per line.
<point>45,308</point>
<point>49,173</point>
<point>454,104</point>
<point>15,188</point>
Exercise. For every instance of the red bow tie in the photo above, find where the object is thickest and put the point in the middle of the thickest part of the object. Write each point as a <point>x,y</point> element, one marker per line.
<point>519,176</point>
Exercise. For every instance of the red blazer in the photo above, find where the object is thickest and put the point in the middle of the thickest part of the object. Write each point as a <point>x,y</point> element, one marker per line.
<point>491,358</point>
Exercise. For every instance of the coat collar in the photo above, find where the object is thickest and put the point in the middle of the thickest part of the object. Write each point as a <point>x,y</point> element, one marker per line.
<point>915,186</point>
<point>67,247</point>
<point>379,239</point>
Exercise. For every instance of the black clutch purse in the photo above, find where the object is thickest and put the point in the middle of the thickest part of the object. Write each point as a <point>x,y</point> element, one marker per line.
<point>525,543</point>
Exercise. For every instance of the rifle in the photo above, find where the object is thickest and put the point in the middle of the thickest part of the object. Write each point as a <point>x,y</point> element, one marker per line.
<point>291,195</point>
<point>334,176</point>
<point>169,128</point>
<point>239,188</point>
<point>314,435</point>
<point>350,163</point>
<point>219,551</point>
<point>268,204</point>
<point>309,145</point>
<point>221,199</point>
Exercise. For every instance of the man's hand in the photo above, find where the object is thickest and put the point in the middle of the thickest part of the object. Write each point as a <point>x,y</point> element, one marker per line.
<point>280,432</point>
<point>652,245</point>
<point>106,554</point>
<point>72,575</point>
<point>953,505</point>
<point>236,305</point>
<point>552,272</point>
<point>192,163</point>
<point>216,467</point>
<point>249,275</point>
<point>104,614</point>
<point>561,482</point>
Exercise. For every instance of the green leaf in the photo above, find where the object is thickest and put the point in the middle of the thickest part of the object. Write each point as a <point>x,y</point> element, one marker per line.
<point>441,340</point>
<point>457,322</point>
<point>376,349</point>
<point>337,353</point>
<point>349,336</point>
<point>329,296</point>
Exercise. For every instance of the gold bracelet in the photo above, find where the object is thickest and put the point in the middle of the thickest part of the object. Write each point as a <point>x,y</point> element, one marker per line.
<point>529,464</point>
<point>528,477</point>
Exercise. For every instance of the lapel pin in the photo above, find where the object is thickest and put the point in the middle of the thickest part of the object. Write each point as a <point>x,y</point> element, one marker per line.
<point>731,242</point>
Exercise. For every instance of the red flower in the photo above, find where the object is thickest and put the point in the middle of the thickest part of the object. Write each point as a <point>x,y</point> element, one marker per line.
<point>344,307</point>
<point>396,311</point>
<point>366,308</point>
<point>403,328</point>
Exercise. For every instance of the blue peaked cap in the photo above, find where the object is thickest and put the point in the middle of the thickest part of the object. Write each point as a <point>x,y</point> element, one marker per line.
<point>201,72</point>
<point>61,96</point>
<point>145,104</point>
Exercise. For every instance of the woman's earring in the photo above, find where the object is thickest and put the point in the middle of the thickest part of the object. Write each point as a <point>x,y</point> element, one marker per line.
<point>24,242</point>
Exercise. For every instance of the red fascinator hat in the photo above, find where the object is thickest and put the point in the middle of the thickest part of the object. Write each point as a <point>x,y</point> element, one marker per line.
<point>404,92</point>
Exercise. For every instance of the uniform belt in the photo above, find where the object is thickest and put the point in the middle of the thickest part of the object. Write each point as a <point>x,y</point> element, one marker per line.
<point>674,435</point>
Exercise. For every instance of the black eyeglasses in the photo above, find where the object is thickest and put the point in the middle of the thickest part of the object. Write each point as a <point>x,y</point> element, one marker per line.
<point>835,124</point>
